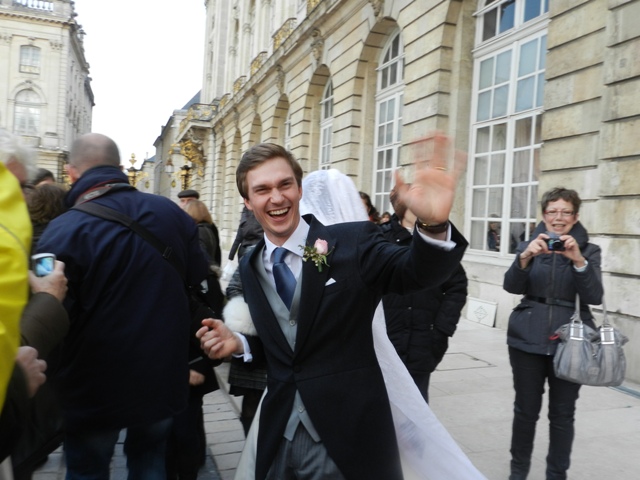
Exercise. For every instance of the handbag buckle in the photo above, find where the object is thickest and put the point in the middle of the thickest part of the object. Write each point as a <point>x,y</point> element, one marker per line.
<point>576,331</point>
<point>607,335</point>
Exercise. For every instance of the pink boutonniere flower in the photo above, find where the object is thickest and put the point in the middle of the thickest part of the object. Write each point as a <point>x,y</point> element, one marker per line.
<point>317,253</point>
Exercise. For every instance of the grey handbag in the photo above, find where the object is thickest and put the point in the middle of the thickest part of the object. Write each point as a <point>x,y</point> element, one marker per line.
<point>588,356</point>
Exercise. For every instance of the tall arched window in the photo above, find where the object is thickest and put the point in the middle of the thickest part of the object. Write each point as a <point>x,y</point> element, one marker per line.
<point>509,65</point>
<point>390,89</point>
<point>29,59</point>
<point>326,125</point>
<point>26,119</point>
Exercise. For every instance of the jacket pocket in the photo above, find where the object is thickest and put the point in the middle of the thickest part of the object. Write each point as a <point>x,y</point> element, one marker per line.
<point>520,323</point>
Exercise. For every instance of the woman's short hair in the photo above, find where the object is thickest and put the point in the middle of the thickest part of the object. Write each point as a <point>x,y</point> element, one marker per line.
<point>45,202</point>
<point>259,154</point>
<point>561,193</point>
<point>198,211</point>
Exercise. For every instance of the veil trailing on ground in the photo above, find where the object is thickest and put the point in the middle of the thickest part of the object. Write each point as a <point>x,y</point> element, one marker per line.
<point>427,450</point>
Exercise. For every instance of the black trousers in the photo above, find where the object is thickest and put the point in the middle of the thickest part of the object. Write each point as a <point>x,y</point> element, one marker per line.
<point>530,373</point>
<point>187,445</point>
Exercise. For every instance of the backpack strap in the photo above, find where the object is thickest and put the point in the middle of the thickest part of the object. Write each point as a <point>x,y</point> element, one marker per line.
<point>113,215</point>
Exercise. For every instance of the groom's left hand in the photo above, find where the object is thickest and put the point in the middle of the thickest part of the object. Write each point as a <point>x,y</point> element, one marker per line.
<point>432,191</point>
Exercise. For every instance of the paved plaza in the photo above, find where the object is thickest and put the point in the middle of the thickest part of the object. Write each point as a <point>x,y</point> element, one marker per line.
<point>471,393</point>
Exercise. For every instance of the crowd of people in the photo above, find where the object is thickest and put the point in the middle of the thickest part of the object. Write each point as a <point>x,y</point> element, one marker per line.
<point>333,307</point>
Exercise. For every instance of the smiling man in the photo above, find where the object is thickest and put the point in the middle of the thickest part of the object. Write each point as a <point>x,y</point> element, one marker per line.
<point>326,413</point>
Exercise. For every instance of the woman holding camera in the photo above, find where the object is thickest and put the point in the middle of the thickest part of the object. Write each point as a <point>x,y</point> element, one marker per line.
<point>549,270</point>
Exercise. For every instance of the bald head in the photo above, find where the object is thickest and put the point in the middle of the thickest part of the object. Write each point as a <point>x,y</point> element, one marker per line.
<point>93,150</point>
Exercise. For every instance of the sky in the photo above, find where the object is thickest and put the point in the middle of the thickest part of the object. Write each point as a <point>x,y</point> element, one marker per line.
<point>145,62</point>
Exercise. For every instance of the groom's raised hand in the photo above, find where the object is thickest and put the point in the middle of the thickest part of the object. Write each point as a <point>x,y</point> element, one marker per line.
<point>431,193</point>
<point>217,340</point>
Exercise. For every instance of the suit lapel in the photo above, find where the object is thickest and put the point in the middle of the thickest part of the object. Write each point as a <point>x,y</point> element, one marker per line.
<point>313,282</point>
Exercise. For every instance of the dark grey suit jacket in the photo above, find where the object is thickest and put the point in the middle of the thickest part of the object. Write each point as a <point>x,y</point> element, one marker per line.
<point>334,365</point>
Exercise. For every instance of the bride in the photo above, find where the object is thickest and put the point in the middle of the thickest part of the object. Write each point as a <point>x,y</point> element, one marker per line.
<point>428,451</point>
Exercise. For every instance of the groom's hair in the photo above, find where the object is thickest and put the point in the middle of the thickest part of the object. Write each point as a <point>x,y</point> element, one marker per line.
<point>256,156</point>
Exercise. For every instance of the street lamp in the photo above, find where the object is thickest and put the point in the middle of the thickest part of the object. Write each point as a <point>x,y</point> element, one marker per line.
<point>169,168</point>
<point>185,175</point>
<point>134,174</point>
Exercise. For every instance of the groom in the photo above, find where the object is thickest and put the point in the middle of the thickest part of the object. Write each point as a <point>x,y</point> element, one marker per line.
<point>326,413</point>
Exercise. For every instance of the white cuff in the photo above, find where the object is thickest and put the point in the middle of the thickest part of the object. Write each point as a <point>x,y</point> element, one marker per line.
<point>446,245</point>
<point>583,268</point>
<point>247,351</point>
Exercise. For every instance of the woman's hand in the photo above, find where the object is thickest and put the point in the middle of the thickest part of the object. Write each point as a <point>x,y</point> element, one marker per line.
<point>540,245</point>
<point>572,251</point>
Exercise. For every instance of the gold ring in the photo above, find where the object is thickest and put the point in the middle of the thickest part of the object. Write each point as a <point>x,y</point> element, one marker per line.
<point>441,168</point>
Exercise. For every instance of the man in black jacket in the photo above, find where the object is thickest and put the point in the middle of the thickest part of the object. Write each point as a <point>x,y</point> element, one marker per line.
<point>419,324</point>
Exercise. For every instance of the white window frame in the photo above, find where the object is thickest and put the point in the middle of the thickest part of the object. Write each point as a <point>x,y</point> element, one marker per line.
<point>387,153</point>
<point>30,58</point>
<point>326,126</point>
<point>27,113</point>
<point>513,224</point>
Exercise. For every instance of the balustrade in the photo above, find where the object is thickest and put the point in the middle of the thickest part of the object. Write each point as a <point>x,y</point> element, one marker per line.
<point>35,4</point>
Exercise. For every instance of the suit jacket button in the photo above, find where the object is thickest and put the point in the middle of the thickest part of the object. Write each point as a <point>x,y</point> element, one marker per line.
<point>297,368</point>
<point>292,322</point>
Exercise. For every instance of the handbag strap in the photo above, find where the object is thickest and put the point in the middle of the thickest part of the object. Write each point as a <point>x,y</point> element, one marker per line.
<point>605,317</point>
<point>108,213</point>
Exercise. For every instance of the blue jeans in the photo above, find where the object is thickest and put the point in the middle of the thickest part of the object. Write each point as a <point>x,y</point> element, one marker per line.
<point>530,371</point>
<point>88,453</point>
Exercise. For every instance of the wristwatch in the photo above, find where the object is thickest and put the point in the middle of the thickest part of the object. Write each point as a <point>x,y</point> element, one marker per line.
<point>432,227</point>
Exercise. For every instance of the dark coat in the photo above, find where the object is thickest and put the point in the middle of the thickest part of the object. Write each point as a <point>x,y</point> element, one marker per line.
<point>249,233</point>
<point>334,365</point>
<point>419,324</point>
<point>124,360</point>
<point>210,241</point>
<point>552,276</point>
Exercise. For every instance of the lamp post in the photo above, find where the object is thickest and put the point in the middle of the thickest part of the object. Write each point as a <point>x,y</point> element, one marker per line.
<point>134,174</point>
<point>185,175</point>
<point>169,168</point>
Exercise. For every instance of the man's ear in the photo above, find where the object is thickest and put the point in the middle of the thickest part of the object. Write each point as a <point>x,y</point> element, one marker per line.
<point>73,172</point>
<point>247,204</point>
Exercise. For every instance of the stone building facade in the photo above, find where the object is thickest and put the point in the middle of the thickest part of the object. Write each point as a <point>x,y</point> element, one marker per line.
<point>45,89</point>
<point>537,93</point>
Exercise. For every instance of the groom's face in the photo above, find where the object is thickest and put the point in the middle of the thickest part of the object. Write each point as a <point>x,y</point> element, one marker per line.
<point>274,197</point>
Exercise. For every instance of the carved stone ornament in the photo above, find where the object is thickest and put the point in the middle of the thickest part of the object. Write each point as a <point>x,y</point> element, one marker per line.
<point>55,44</point>
<point>218,129</point>
<point>239,83</point>
<point>236,118</point>
<point>317,45</point>
<point>280,79</point>
<point>255,102</point>
<point>5,38</point>
<point>378,7</point>
<point>311,4</point>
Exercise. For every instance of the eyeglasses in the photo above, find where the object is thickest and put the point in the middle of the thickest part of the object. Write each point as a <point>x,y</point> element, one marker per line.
<point>555,213</point>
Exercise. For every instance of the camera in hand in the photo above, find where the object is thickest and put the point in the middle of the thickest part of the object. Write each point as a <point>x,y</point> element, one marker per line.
<point>43,264</point>
<point>554,243</point>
